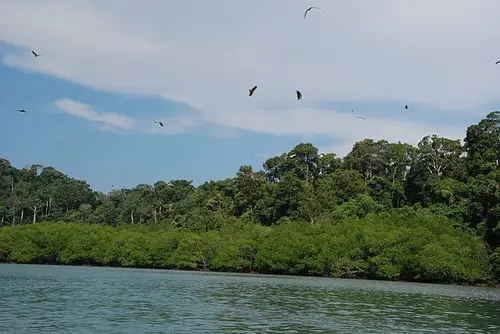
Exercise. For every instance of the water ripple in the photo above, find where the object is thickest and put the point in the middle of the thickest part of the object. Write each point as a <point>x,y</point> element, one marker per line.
<point>52,299</point>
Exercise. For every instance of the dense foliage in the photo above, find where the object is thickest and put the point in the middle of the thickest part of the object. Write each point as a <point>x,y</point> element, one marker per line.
<point>406,245</point>
<point>387,210</point>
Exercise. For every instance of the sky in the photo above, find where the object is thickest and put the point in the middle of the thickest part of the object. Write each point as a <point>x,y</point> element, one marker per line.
<point>109,69</point>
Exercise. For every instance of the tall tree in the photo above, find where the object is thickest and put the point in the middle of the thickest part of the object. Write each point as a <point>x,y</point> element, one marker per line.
<point>439,155</point>
<point>366,158</point>
<point>304,159</point>
<point>276,167</point>
<point>328,163</point>
<point>482,144</point>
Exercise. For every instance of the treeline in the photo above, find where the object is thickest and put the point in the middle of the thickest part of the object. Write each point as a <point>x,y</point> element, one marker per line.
<point>454,182</point>
<point>403,245</point>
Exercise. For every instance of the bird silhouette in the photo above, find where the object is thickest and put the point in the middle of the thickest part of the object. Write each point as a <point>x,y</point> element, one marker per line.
<point>161,124</point>
<point>357,116</point>
<point>308,9</point>
<point>497,62</point>
<point>21,110</point>
<point>406,106</point>
<point>250,91</point>
<point>299,95</point>
<point>35,54</point>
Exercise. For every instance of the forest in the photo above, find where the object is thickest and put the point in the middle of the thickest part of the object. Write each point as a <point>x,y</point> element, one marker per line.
<point>388,211</point>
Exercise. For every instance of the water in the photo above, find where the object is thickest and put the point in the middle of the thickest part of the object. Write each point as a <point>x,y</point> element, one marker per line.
<point>57,299</point>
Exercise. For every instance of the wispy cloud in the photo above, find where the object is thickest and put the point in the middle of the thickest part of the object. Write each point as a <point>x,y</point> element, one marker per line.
<point>209,54</point>
<point>112,122</point>
<point>85,111</point>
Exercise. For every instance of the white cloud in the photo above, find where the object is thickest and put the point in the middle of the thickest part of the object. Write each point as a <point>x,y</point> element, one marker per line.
<point>208,54</point>
<point>85,111</point>
<point>112,122</point>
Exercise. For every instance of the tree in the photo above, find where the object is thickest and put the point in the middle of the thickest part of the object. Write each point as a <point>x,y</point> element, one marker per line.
<point>328,163</point>
<point>287,195</point>
<point>397,159</point>
<point>482,145</point>
<point>436,158</point>
<point>339,187</point>
<point>275,167</point>
<point>366,158</point>
<point>248,191</point>
<point>439,155</point>
<point>304,159</point>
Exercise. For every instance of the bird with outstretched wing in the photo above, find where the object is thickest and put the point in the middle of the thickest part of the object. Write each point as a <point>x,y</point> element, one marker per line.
<point>35,54</point>
<point>251,90</point>
<point>357,116</point>
<point>308,9</point>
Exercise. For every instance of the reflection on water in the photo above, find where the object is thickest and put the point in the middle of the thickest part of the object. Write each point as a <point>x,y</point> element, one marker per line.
<point>56,299</point>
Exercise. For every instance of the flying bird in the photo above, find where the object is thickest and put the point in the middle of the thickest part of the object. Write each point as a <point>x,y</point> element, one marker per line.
<point>252,90</point>
<point>357,116</point>
<point>299,95</point>
<point>406,106</point>
<point>161,124</point>
<point>21,110</point>
<point>497,62</point>
<point>308,9</point>
<point>35,54</point>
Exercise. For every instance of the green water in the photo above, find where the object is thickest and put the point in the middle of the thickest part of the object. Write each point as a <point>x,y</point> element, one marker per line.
<point>57,299</point>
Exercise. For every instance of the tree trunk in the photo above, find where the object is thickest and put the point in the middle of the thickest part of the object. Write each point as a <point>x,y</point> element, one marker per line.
<point>34,214</point>
<point>3,217</point>
<point>154,214</point>
<point>204,262</point>
<point>251,213</point>
<point>22,214</point>
<point>132,217</point>
<point>394,175</point>
<point>50,204</point>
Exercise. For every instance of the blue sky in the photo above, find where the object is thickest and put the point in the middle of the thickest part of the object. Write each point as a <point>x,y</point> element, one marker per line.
<point>92,98</point>
<point>48,136</point>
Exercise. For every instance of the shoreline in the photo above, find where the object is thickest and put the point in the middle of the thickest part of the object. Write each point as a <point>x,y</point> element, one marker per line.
<point>283,250</point>
<point>256,273</point>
